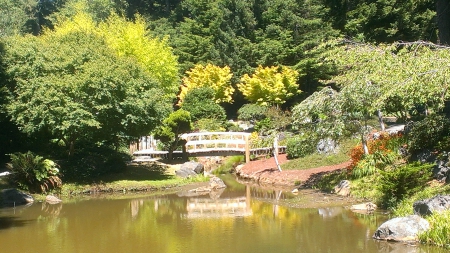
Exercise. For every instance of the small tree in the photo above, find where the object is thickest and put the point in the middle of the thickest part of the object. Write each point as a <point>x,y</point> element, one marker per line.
<point>270,85</point>
<point>199,102</point>
<point>177,123</point>
<point>209,76</point>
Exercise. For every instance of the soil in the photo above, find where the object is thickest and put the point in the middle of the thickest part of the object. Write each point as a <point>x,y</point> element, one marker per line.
<point>264,171</point>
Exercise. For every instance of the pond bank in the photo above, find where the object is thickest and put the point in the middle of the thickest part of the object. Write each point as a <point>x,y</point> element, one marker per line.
<point>265,172</point>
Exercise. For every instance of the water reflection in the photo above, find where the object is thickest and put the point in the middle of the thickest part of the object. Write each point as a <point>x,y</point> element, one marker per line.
<point>242,219</point>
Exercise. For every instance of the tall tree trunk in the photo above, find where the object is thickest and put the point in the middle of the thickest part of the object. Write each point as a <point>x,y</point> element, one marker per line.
<point>443,21</point>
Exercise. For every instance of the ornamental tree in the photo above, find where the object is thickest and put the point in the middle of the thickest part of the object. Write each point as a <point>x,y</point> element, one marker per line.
<point>270,85</point>
<point>170,131</point>
<point>211,76</point>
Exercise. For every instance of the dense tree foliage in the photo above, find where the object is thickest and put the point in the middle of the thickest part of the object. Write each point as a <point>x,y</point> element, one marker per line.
<point>70,83</point>
<point>270,85</point>
<point>210,76</point>
<point>96,71</point>
<point>200,103</point>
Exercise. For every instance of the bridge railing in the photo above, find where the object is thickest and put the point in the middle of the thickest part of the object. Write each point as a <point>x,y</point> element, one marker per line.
<point>219,141</point>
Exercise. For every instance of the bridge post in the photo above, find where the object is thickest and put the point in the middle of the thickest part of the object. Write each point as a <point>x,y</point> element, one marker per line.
<point>247,150</point>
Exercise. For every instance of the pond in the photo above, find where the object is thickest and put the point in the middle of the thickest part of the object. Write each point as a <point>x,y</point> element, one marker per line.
<point>239,219</point>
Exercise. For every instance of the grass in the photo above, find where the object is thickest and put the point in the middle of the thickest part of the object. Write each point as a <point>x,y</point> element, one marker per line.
<point>229,164</point>
<point>144,177</point>
<point>318,160</point>
<point>439,235</point>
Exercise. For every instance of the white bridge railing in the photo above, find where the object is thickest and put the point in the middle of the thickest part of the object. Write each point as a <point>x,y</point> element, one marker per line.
<point>206,144</point>
<point>217,141</point>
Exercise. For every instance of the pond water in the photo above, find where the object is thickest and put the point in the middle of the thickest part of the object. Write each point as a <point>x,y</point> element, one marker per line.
<point>239,219</point>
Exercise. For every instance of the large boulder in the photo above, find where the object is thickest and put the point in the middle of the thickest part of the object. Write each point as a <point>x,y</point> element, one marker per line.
<point>198,168</point>
<point>402,229</point>
<point>189,169</point>
<point>429,206</point>
<point>14,197</point>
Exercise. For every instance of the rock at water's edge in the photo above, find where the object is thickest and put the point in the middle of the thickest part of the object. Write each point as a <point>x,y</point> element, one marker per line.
<point>14,197</point>
<point>402,229</point>
<point>52,199</point>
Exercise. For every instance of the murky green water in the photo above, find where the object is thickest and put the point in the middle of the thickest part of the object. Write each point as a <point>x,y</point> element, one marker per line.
<point>240,220</point>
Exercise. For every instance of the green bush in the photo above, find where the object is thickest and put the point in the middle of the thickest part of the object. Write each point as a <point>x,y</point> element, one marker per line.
<point>200,103</point>
<point>300,146</point>
<point>370,163</point>
<point>89,163</point>
<point>34,173</point>
<point>428,133</point>
<point>210,125</point>
<point>396,183</point>
<point>252,112</point>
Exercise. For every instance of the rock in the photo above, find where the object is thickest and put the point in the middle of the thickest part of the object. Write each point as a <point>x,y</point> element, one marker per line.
<point>295,190</point>
<point>14,197</point>
<point>402,229</point>
<point>429,206</point>
<point>194,166</point>
<point>184,172</point>
<point>326,146</point>
<point>189,169</point>
<point>369,207</point>
<point>52,199</point>
<point>343,188</point>
<point>216,183</point>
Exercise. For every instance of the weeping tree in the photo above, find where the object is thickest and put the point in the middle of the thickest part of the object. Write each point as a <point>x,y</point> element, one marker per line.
<point>369,78</point>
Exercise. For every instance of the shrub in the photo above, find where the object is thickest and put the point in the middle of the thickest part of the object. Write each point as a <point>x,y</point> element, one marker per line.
<point>211,125</point>
<point>200,103</point>
<point>34,173</point>
<point>398,182</point>
<point>300,146</point>
<point>383,151</point>
<point>89,163</point>
<point>252,112</point>
<point>428,133</point>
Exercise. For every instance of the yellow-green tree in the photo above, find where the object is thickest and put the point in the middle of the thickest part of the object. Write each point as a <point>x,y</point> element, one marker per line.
<point>132,40</point>
<point>270,85</point>
<point>212,76</point>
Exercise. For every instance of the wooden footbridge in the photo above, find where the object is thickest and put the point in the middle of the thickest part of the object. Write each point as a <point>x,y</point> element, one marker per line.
<point>207,144</point>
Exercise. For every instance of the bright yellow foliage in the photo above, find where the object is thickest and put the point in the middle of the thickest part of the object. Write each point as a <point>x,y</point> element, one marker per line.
<point>129,39</point>
<point>209,76</point>
<point>270,85</point>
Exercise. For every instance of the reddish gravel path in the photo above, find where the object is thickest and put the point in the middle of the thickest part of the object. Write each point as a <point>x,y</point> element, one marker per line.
<point>264,171</point>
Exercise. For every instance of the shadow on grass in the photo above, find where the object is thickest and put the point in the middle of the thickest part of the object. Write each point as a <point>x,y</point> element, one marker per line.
<point>139,172</point>
<point>149,171</point>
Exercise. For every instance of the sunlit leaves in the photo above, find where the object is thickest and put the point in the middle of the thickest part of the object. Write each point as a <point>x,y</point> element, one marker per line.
<point>415,73</point>
<point>212,76</point>
<point>130,39</point>
<point>270,85</point>
<point>73,86</point>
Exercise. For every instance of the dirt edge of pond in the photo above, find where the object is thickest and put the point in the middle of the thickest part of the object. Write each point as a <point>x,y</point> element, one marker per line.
<point>264,171</point>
